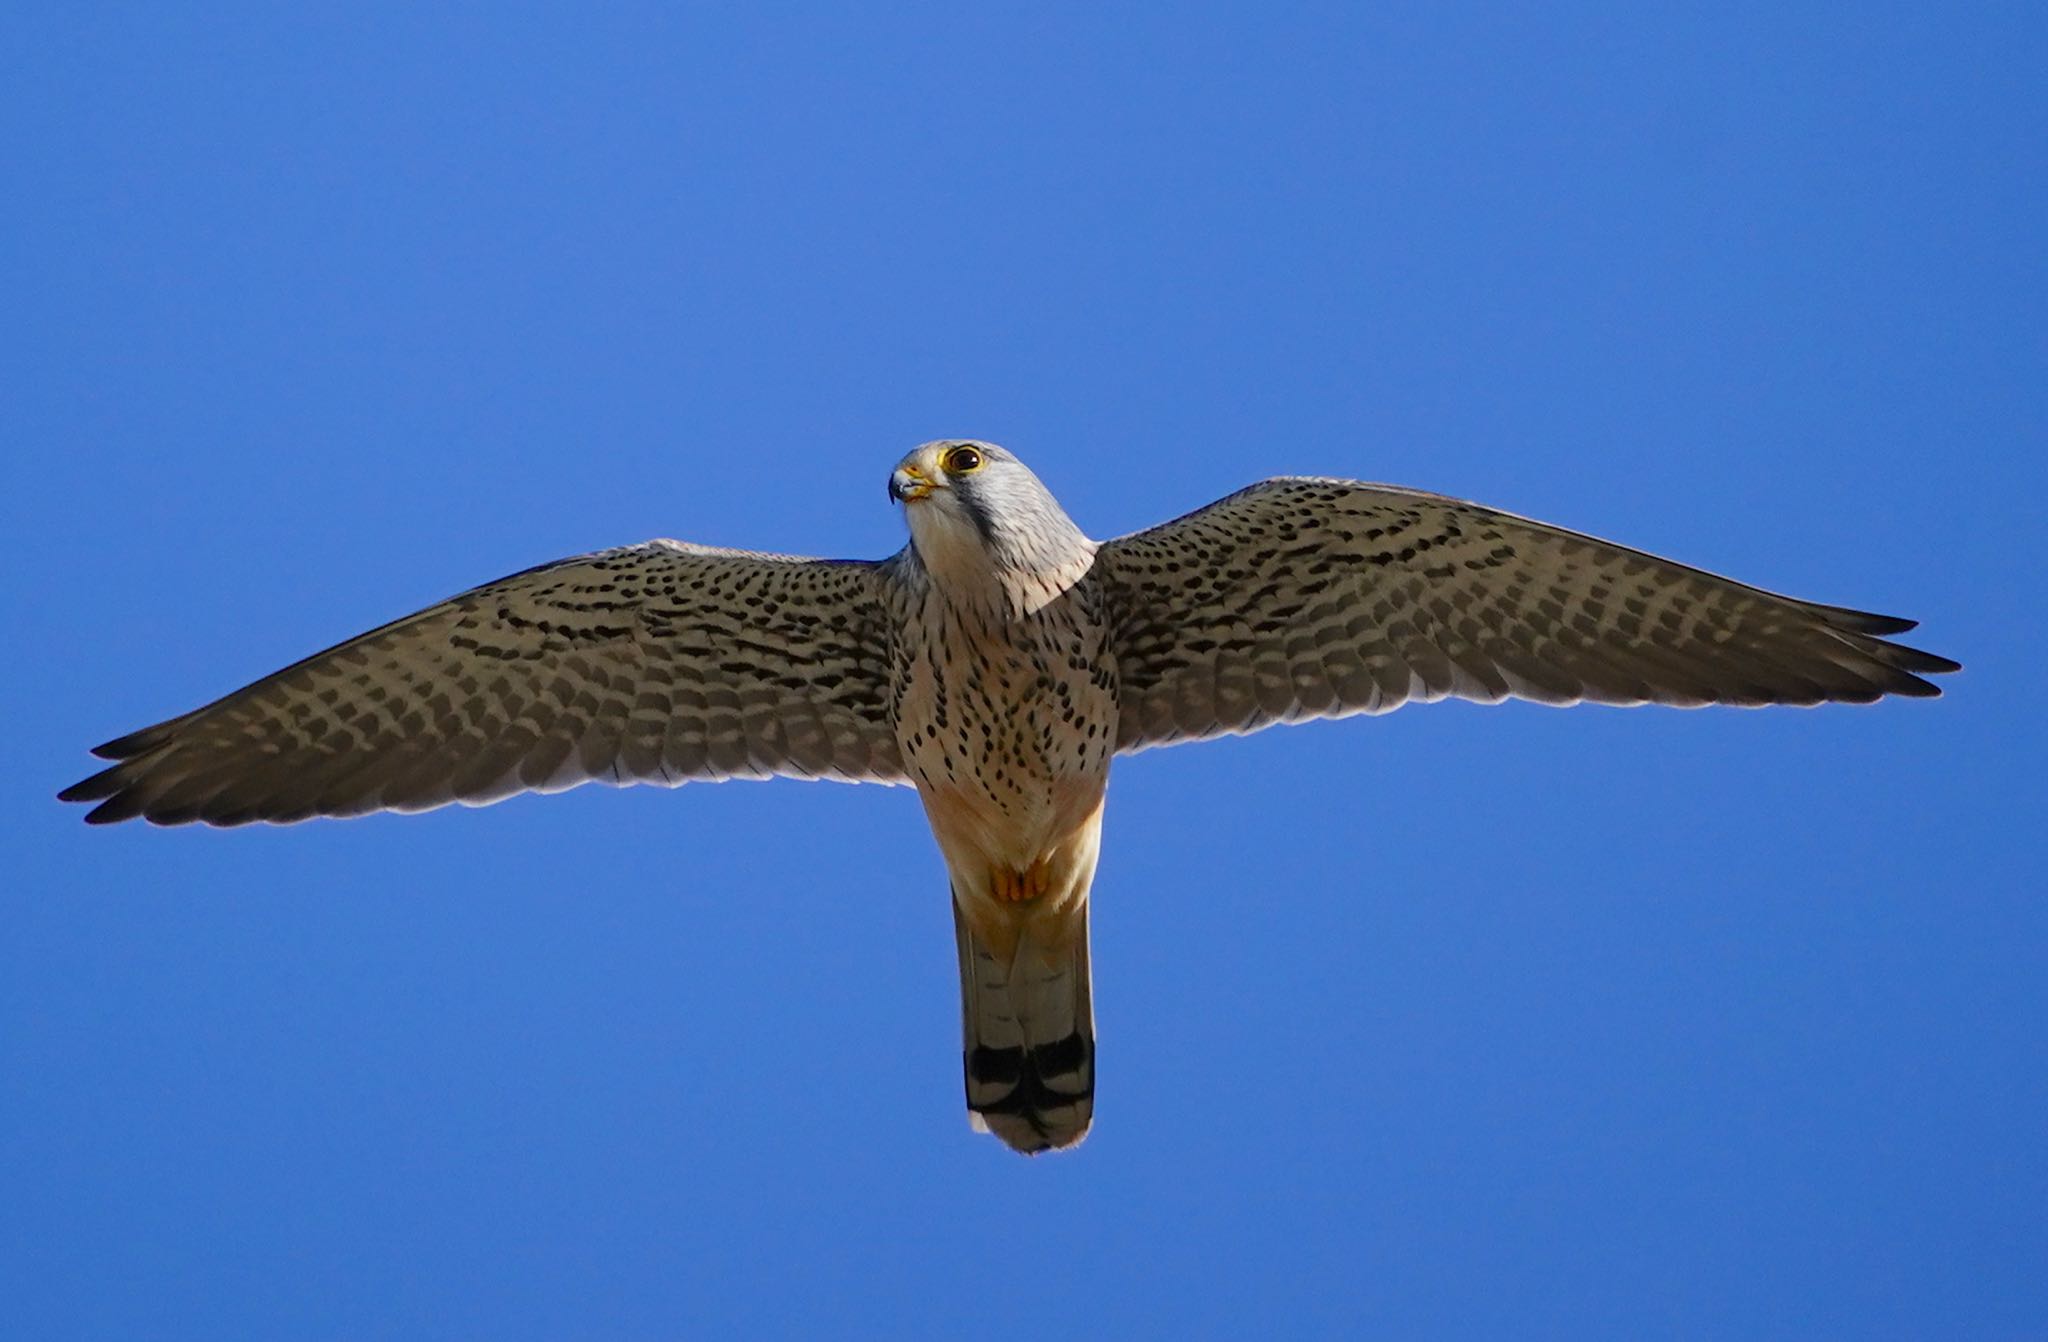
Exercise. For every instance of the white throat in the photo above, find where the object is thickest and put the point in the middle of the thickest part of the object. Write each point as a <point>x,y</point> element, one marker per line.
<point>967,573</point>
<point>952,549</point>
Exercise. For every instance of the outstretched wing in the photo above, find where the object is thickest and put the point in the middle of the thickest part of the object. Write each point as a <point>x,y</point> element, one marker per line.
<point>653,663</point>
<point>1302,598</point>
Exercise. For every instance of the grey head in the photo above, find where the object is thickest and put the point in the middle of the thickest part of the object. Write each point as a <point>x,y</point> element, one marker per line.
<point>979,519</point>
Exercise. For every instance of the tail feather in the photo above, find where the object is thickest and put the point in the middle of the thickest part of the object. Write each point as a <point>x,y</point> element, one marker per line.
<point>1028,1029</point>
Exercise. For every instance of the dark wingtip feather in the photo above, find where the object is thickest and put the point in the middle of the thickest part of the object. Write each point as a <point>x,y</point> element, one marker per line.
<point>133,744</point>
<point>125,806</point>
<point>100,786</point>
<point>1866,622</point>
<point>1927,663</point>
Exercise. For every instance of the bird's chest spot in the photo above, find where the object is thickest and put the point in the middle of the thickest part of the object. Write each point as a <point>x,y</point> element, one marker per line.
<point>1007,718</point>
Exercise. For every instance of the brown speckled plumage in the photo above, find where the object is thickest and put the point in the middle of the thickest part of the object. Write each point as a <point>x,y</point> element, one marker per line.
<point>1305,598</point>
<point>655,663</point>
<point>996,664</point>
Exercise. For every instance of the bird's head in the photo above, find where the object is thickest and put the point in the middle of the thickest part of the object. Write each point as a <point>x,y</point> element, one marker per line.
<point>977,513</point>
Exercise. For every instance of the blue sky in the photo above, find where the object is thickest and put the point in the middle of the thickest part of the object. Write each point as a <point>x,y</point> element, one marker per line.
<point>1459,1022</point>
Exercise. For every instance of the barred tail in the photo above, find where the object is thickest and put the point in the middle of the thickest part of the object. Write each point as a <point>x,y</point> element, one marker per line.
<point>1029,1031</point>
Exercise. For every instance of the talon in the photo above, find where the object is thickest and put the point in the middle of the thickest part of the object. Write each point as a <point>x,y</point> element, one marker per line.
<point>1009,886</point>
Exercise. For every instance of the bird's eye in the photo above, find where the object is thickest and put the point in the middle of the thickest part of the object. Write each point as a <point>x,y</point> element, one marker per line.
<point>961,460</point>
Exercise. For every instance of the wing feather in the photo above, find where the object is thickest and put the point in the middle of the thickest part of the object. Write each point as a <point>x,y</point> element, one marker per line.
<point>1300,598</point>
<point>661,663</point>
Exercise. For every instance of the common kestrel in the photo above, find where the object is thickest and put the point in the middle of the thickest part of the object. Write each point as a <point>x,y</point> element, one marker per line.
<point>997,663</point>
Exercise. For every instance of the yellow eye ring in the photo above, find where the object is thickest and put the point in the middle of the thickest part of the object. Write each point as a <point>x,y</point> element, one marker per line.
<point>961,460</point>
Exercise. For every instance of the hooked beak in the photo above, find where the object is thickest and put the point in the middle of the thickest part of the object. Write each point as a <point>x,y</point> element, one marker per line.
<point>909,484</point>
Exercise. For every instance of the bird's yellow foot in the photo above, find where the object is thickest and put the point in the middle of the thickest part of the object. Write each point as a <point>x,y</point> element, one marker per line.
<point>1014,887</point>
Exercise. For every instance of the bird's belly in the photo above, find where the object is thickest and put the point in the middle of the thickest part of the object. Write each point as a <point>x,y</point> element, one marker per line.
<point>1013,827</point>
<point>1017,784</point>
<point>1009,767</point>
<point>1006,725</point>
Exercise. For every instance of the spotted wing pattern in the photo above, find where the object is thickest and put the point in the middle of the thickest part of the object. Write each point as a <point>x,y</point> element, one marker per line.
<point>655,663</point>
<point>1301,598</point>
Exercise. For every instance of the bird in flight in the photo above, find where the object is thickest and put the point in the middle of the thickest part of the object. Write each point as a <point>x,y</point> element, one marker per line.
<point>997,663</point>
